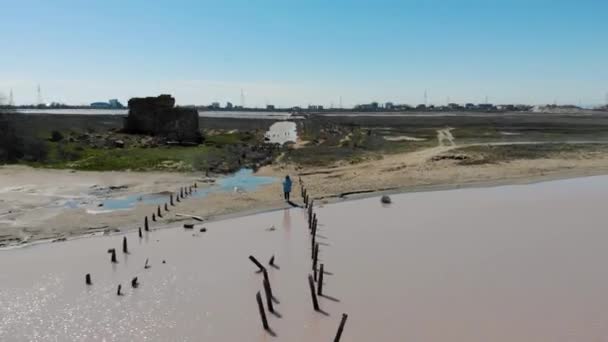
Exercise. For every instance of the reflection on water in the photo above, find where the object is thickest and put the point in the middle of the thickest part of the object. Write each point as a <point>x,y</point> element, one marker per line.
<point>514,263</point>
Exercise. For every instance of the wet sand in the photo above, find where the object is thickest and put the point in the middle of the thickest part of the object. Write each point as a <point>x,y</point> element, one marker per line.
<point>510,263</point>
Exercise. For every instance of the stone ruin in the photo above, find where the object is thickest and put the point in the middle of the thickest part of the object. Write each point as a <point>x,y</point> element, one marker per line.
<point>158,116</point>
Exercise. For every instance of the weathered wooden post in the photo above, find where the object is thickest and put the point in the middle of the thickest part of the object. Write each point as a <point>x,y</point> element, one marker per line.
<point>320,282</point>
<point>158,213</point>
<point>314,262</point>
<point>177,197</point>
<point>257,263</point>
<point>268,292</point>
<point>87,279</point>
<point>258,298</point>
<point>146,227</point>
<point>113,257</point>
<point>181,192</point>
<point>315,303</point>
<point>140,235</point>
<point>171,200</point>
<point>341,328</point>
<point>195,185</point>
<point>134,283</point>
<point>146,266</point>
<point>166,207</point>
<point>125,249</point>
<point>153,217</point>
<point>118,293</point>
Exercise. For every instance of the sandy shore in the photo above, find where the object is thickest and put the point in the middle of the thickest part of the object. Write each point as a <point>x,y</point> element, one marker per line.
<point>33,201</point>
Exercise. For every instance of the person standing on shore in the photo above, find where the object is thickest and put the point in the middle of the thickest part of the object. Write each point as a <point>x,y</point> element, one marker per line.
<point>287,187</point>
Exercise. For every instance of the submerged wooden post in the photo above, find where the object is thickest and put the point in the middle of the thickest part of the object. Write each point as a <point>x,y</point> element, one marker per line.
<point>140,235</point>
<point>134,283</point>
<point>118,293</point>
<point>125,249</point>
<point>257,263</point>
<point>258,298</point>
<point>267,280</point>
<point>87,279</point>
<point>320,282</point>
<point>268,292</point>
<point>314,260</point>
<point>341,328</point>
<point>113,257</point>
<point>146,227</point>
<point>315,303</point>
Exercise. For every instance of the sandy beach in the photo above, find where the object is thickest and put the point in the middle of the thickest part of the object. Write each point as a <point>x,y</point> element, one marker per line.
<point>33,201</point>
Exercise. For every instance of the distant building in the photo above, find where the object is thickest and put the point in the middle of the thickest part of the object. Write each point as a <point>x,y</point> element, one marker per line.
<point>367,107</point>
<point>315,107</point>
<point>111,104</point>
<point>269,107</point>
<point>114,103</point>
<point>486,106</point>
<point>421,107</point>
<point>470,106</point>
<point>215,105</point>
<point>229,105</point>
<point>389,106</point>
<point>158,116</point>
<point>454,106</point>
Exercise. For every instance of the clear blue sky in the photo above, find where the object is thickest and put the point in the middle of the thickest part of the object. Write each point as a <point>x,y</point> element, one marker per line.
<point>299,52</point>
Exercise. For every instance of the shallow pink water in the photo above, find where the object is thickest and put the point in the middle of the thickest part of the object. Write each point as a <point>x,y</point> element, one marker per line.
<point>515,263</point>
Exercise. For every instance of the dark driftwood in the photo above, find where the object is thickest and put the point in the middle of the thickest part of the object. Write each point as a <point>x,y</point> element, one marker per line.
<point>87,279</point>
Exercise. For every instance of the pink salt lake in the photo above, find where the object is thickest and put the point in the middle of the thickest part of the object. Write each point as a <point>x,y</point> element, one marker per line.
<point>510,263</point>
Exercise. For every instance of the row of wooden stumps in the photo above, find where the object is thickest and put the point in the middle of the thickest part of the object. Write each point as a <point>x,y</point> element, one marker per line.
<point>318,270</point>
<point>317,276</point>
<point>183,193</point>
<point>267,292</point>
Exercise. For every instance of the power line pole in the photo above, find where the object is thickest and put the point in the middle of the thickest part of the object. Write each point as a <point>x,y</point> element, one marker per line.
<point>39,93</point>
<point>11,100</point>
<point>242,99</point>
<point>426,98</point>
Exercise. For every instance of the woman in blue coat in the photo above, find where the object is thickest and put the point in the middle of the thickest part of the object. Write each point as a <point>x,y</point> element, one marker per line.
<point>286,187</point>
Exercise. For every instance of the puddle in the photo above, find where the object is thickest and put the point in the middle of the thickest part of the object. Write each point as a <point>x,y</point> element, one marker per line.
<point>243,181</point>
<point>282,132</point>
